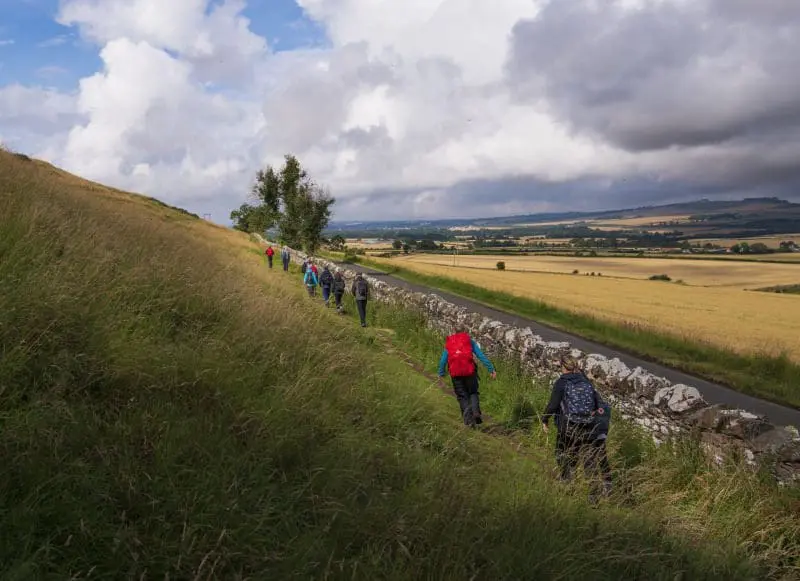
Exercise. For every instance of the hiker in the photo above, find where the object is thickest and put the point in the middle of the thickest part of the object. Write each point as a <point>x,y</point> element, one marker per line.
<point>326,282</point>
<point>458,358</point>
<point>582,419</point>
<point>313,267</point>
<point>285,257</point>
<point>270,253</point>
<point>339,286</point>
<point>304,267</point>
<point>310,280</point>
<point>360,291</point>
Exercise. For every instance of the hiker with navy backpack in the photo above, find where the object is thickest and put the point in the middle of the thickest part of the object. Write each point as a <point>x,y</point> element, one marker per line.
<point>339,286</point>
<point>326,283</point>
<point>582,419</point>
<point>458,359</point>
<point>360,291</point>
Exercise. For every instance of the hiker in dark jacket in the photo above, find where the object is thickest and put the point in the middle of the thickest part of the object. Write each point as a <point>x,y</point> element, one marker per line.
<point>582,430</point>
<point>326,283</point>
<point>458,358</point>
<point>285,257</point>
<point>360,290</point>
<point>339,286</point>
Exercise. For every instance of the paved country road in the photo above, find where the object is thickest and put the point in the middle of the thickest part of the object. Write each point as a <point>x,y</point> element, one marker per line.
<point>713,393</point>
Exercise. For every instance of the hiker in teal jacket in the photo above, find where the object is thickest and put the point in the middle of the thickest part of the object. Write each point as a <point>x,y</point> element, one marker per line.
<point>311,282</point>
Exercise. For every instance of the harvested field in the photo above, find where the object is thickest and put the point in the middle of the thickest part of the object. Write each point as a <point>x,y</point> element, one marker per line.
<point>772,241</point>
<point>745,322</point>
<point>691,272</point>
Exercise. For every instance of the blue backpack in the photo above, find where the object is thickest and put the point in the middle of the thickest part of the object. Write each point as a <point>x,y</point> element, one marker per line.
<point>579,401</point>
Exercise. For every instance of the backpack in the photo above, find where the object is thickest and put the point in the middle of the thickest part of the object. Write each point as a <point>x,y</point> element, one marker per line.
<point>326,279</point>
<point>361,290</point>
<point>339,284</point>
<point>459,355</point>
<point>579,401</point>
<point>304,268</point>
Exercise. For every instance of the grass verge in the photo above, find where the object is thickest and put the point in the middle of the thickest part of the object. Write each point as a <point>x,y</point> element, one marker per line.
<point>172,410</point>
<point>774,378</point>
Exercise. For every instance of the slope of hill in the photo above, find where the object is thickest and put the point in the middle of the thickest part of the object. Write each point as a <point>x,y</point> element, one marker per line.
<point>171,409</point>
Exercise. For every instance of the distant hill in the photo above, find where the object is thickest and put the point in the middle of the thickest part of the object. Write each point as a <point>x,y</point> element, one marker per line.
<point>747,217</point>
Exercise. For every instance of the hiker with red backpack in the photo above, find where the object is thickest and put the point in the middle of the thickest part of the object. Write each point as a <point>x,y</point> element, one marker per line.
<point>582,419</point>
<point>458,358</point>
<point>270,253</point>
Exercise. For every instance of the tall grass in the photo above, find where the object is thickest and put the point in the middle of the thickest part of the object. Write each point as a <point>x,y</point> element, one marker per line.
<point>774,378</point>
<point>170,409</point>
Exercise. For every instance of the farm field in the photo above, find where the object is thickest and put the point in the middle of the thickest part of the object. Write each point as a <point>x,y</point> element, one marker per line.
<point>772,241</point>
<point>698,272</point>
<point>732,318</point>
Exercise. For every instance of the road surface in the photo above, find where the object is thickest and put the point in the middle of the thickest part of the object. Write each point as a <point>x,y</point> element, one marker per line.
<point>713,393</point>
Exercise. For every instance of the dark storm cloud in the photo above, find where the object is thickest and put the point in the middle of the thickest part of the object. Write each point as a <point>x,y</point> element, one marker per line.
<point>688,74</point>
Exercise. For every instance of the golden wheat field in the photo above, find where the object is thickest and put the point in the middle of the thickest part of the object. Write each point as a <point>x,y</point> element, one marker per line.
<point>691,272</point>
<point>747,322</point>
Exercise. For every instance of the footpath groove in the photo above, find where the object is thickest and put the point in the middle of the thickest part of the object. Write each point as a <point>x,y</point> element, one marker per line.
<point>714,393</point>
<point>490,426</point>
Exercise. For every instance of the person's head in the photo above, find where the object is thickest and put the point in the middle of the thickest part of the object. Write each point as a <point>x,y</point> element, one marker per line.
<point>570,364</point>
<point>359,275</point>
<point>460,328</point>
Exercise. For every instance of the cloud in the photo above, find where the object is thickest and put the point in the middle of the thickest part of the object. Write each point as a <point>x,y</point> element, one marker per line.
<point>708,85</point>
<point>6,42</point>
<point>432,107</point>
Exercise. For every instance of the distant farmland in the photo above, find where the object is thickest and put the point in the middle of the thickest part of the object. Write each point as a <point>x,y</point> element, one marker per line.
<point>691,272</point>
<point>726,316</point>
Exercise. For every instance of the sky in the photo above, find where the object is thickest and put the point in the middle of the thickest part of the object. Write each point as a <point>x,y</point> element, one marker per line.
<point>411,108</point>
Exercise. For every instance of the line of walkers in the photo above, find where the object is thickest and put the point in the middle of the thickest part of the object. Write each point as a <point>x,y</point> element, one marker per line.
<point>333,284</point>
<point>582,417</point>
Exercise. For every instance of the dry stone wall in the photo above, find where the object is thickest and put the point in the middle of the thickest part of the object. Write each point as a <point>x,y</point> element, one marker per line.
<point>663,409</point>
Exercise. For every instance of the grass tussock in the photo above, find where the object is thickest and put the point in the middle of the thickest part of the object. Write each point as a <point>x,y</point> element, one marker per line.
<point>171,410</point>
<point>769,376</point>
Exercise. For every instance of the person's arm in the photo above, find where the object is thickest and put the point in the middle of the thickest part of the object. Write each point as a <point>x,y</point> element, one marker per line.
<point>554,405</point>
<point>443,363</point>
<point>481,357</point>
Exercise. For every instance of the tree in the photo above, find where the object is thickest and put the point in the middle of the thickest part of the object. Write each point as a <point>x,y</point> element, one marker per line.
<point>338,242</point>
<point>759,248</point>
<point>397,244</point>
<point>288,198</point>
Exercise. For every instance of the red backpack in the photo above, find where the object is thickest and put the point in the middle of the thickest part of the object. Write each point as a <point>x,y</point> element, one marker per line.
<point>459,355</point>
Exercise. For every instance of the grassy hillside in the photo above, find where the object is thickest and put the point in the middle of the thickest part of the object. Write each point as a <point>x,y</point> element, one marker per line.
<point>170,409</point>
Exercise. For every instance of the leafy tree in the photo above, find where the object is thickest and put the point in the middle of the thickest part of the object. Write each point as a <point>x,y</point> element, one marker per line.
<point>397,244</point>
<point>759,248</point>
<point>288,198</point>
<point>337,242</point>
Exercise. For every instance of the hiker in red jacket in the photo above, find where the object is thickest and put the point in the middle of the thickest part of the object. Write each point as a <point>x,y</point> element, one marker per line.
<point>458,358</point>
<point>270,253</point>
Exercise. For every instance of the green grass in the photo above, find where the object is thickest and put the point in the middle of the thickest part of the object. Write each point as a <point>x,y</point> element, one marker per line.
<point>774,378</point>
<point>170,409</point>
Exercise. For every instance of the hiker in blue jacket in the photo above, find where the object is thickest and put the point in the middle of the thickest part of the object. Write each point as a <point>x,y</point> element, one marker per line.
<point>582,419</point>
<point>311,282</point>
<point>458,359</point>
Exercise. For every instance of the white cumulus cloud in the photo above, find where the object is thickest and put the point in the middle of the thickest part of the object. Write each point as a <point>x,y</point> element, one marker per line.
<point>428,107</point>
